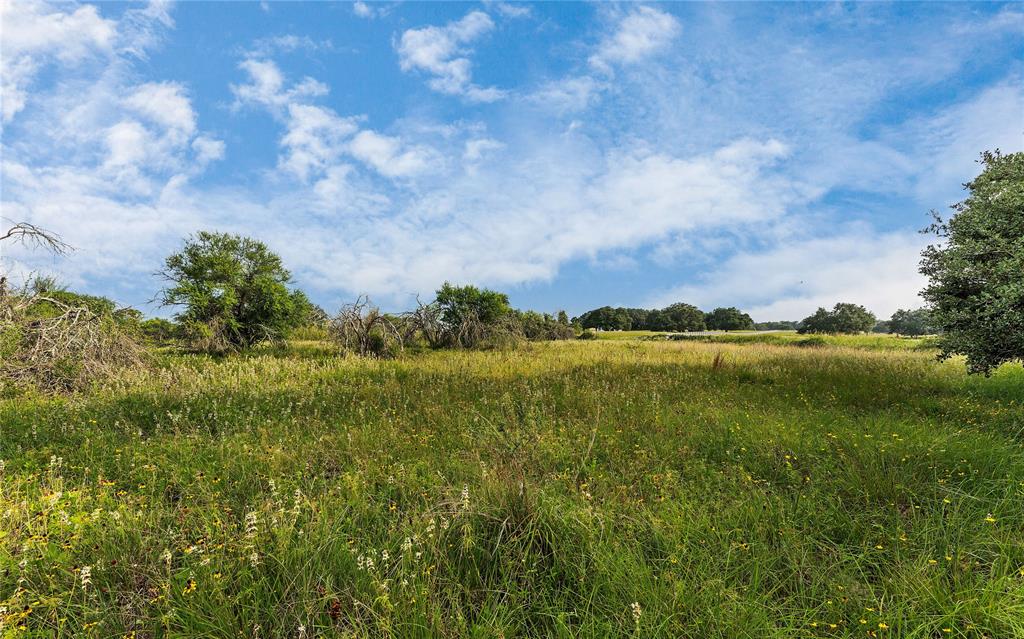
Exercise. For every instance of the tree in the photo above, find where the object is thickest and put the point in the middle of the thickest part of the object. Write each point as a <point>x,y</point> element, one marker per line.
<point>606,318</point>
<point>234,291</point>
<point>461,303</point>
<point>728,319</point>
<point>681,317</point>
<point>819,322</point>
<point>976,275</point>
<point>843,318</point>
<point>777,326</point>
<point>911,322</point>
<point>470,317</point>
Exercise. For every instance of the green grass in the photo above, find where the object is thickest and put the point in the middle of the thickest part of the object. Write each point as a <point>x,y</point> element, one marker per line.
<point>727,490</point>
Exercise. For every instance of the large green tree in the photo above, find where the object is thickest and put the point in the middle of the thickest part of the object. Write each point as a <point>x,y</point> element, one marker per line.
<point>728,319</point>
<point>843,318</point>
<point>681,317</point>
<point>911,322</point>
<point>234,290</point>
<point>976,273</point>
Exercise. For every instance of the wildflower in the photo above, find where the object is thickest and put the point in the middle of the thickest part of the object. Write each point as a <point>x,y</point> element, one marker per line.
<point>990,519</point>
<point>251,524</point>
<point>465,497</point>
<point>882,625</point>
<point>190,587</point>
<point>86,577</point>
<point>637,611</point>
<point>254,559</point>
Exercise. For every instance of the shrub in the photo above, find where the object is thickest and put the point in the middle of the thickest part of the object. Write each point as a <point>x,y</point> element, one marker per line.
<point>361,328</point>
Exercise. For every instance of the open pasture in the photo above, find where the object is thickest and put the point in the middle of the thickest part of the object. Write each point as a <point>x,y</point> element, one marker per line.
<point>568,489</point>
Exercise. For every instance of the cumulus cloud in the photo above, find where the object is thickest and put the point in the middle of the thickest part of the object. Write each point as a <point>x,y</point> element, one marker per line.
<point>441,52</point>
<point>640,33</point>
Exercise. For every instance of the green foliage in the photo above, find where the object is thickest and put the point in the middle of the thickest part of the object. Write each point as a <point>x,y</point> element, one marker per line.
<point>537,326</point>
<point>728,319</point>
<point>776,326</point>
<point>158,330</point>
<point>911,322</point>
<point>234,291</point>
<point>460,304</point>
<point>606,318</point>
<point>843,318</point>
<point>677,317</point>
<point>976,275</point>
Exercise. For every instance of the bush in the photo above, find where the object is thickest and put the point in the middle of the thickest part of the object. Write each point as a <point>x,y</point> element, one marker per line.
<point>469,317</point>
<point>53,346</point>
<point>361,328</point>
<point>158,330</point>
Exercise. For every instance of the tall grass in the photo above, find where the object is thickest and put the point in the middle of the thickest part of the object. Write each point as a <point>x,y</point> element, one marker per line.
<point>598,489</point>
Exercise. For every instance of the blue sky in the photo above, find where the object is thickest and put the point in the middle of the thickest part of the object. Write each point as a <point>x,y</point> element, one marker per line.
<point>776,157</point>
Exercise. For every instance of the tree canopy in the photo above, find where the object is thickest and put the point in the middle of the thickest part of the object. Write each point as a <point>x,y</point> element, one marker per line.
<point>843,318</point>
<point>728,319</point>
<point>911,322</point>
<point>976,273</point>
<point>234,290</point>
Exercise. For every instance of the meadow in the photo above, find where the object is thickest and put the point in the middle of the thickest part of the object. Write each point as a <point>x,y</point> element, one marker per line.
<point>608,488</point>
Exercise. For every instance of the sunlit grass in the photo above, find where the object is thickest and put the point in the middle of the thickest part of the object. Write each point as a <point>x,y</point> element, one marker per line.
<point>603,488</point>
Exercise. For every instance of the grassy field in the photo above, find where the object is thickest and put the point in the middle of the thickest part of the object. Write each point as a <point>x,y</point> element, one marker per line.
<point>594,489</point>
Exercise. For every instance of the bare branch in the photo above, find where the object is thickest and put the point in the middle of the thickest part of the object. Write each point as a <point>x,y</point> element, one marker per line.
<point>32,235</point>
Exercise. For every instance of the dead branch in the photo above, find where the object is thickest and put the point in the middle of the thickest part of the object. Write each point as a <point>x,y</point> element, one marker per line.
<point>32,235</point>
<point>362,328</point>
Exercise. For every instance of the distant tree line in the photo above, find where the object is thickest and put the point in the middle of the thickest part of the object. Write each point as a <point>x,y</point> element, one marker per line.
<point>679,317</point>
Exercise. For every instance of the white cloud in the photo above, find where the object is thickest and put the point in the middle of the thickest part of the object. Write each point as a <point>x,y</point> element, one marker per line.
<point>362,10</point>
<point>441,52</point>
<point>314,139</point>
<point>34,34</point>
<point>208,150</point>
<point>513,9</point>
<point>792,279</point>
<point>266,86</point>
<point>166,104</point>
<point>950,142</point>
<point>642,32</point>
<point>389,156</point>
<point>478,147</point>
<point>567,95</point>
